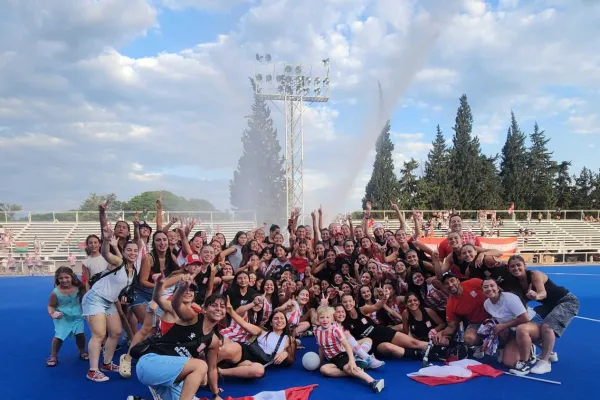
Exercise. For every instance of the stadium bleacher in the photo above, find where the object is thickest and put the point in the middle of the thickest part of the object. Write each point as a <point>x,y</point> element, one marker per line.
<point>559,238</point>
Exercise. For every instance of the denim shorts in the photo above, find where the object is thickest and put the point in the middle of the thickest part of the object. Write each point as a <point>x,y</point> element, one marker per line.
<point>94,304</point>
<point>159,373</point>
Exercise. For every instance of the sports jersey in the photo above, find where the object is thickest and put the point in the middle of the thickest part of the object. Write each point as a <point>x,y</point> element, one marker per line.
<point>185,341</point>
<point>329,340</point>
<point>469,304</point>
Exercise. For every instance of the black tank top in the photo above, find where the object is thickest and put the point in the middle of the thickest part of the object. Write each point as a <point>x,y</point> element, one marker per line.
<point>553,292</point>
<point>420,329</point>
<point>184,341</point>
<point>202,283</point>
<point>360,327</point>
<point>411,246</point>
<point>462,265</point>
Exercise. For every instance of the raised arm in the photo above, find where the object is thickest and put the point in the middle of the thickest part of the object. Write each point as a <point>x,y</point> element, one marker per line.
<point>183,313</point>
<point>157,296</point>
<point>248,327</point>
<point>159,212</point>
<point>109,240</point>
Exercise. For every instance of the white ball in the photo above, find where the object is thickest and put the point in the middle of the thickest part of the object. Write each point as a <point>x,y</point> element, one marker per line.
<point>311,361</point>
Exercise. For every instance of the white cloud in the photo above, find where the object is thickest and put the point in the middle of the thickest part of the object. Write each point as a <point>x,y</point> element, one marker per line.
<point>66,87</point>
<point>585,124</point>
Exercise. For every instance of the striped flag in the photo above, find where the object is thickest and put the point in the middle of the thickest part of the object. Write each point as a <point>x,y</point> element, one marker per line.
<point>21,247</point>
<point>295,393</point>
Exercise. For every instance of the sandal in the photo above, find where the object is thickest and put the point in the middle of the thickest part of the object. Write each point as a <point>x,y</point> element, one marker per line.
<point>84,356</point>
<point>125,366</point>
<point>52,361</point>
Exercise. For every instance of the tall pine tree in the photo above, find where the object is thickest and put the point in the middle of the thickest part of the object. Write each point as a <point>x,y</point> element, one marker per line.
<point>465,161</point>
<point>383,185</point>
<point>563,186</point>
<point>409,185</point>
<point>513,166</point>
<point>541,170</point>
<point>259,181</point>
<point>583,190</point>
<point>435,180</point>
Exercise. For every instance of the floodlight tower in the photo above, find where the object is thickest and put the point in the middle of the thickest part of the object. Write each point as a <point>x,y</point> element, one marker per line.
<point>295,85</point>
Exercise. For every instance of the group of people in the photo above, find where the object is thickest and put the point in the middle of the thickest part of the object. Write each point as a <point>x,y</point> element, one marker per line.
<point>194,310</point>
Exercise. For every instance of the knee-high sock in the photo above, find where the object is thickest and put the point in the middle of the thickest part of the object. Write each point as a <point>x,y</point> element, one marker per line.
<point>358,349</point>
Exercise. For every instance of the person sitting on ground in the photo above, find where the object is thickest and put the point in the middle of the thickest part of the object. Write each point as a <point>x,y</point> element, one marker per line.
<point>465,304</point>
<point>334,347</point>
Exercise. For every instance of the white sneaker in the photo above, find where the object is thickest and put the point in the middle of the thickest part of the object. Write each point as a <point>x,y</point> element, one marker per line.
<point>541,367</point>
<point>375,363</point>
<point>553,357</point>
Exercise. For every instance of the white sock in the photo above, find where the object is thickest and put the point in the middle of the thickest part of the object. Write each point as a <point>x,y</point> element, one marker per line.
<point>358,349</point>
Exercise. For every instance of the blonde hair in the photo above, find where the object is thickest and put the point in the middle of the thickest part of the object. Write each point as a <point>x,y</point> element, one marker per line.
<point>325,310</point>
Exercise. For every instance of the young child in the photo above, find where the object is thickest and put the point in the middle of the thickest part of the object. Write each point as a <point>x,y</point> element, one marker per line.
<point>361,350</point>
<point>334,347</point>
<point>64,307</point>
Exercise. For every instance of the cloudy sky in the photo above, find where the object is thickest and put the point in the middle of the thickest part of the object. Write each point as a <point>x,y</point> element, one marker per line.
<point>131,95</point>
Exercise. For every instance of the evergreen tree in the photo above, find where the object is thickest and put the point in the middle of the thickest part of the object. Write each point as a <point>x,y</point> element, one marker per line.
<point>434,185</point>
<point>541,170</point>
<point>513,164</point>
<point>465,161</point>
<point>409,185</point>
<point>259,181</point>
<point>383,185</point>
<point>584,187</point>
<point>563,186</point>
<point>488,195</point>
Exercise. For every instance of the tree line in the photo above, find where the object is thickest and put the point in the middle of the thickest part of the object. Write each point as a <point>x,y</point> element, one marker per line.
<point>459,176</point>
<point>144,202</point>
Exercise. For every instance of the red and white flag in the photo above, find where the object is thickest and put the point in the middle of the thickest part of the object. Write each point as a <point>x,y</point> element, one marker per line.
<point>454,372</point>
<point>295,393</point>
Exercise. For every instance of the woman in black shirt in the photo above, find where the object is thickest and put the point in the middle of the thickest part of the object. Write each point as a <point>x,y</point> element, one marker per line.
<point>176,353</point>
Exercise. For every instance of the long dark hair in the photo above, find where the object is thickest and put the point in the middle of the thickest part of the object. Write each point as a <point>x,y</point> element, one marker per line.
<point>74,280</point>
<point>87,239</point>
<point>269,325</point>
<point>170,265</point>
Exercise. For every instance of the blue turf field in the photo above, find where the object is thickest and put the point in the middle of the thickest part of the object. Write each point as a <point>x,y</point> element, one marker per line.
<point>28,330</point>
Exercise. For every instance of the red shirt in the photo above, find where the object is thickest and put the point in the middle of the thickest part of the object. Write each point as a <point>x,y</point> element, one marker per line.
<point>467,238</point>
<point>299,263</point>
<point>469,305</point>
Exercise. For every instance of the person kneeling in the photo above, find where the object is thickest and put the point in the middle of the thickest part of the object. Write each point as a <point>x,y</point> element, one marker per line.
<point>334,347</point>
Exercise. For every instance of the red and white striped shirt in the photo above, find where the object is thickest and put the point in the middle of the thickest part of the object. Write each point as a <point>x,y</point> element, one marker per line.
<point>295,315</point>
<point>330,340</point>
<point>235,332</point>
<point>267,311</point>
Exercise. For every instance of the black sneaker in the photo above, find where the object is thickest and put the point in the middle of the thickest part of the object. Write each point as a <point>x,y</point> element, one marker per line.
<point>522,368</point>
<point>377,386</point>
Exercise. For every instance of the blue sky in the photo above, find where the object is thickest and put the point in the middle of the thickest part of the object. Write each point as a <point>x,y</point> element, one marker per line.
<point>160,93</point>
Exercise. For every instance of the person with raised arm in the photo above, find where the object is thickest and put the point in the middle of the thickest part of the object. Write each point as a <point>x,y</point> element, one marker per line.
<point>99,306</point>
<point>169,365</point>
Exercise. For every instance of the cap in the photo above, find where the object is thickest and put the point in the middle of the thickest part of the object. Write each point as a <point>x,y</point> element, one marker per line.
<point>193,259</point>
<point>377,225</point>
<point>448,274</point>
<point>144,224</point>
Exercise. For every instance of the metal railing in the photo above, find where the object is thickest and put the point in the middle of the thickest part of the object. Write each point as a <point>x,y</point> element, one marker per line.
<point>519,215</point>
<point>211,217</point>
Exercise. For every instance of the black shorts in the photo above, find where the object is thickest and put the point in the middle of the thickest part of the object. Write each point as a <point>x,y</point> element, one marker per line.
<point>381,334</point>
<point>340,360</point>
